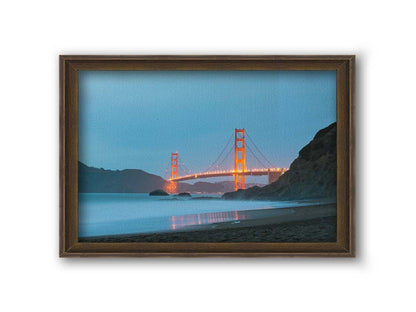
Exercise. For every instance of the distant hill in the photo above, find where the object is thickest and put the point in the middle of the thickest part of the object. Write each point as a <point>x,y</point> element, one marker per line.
<point>312,175</point>
<point>98,180</point>
<point>94,180</point>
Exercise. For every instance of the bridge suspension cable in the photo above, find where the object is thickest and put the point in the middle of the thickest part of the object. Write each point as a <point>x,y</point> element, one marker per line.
<point>184,167</point>
<point>211,166</point>
<point>260,162</point>
<point>229,152</point>
<point>254,144</point>
<point>240,171</point>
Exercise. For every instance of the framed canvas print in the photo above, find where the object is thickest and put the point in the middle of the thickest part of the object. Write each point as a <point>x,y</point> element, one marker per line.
<point>206,155</point>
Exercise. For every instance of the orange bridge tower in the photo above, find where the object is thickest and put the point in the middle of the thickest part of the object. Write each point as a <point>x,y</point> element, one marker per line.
<point>173,172</point>
<point>239,159</point>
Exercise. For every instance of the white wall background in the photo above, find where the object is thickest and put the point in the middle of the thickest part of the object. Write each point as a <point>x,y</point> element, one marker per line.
<point>381,277</point>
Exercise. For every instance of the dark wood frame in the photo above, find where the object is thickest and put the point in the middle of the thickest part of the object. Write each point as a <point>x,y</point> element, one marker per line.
<point>68,149</point>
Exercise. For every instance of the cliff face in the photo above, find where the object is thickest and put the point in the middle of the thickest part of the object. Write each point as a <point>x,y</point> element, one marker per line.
<point>312,175</point>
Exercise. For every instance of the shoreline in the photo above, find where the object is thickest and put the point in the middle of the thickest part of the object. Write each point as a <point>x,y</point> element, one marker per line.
<point>300,223</point>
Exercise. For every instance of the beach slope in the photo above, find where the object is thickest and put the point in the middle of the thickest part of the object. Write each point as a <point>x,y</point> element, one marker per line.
<point>314,223</point>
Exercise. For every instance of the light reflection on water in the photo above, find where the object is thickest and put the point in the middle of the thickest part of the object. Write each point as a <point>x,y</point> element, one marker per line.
<point>112,214</point>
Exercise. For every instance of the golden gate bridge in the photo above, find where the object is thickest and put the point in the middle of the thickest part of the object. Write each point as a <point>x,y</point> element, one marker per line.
<point>240,170</point>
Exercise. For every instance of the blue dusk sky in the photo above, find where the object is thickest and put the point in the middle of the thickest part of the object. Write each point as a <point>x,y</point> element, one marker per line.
<point>135,119</point>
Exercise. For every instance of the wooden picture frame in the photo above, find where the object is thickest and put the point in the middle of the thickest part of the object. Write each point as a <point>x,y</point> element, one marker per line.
<point>70,65</point>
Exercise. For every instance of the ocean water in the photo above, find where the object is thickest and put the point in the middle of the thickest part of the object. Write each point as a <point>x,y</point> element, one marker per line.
<point>113,213</point>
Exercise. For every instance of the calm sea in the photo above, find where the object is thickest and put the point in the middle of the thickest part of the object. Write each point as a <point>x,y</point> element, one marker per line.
<point>109,213</point>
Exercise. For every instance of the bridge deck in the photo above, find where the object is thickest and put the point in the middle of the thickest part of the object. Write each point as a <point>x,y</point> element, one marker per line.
<point>228,173</point>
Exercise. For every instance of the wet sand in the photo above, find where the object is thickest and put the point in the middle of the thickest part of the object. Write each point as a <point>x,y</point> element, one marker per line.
<point>314,223</point>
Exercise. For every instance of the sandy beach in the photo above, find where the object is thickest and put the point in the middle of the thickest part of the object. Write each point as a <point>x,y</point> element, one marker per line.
<point>314,223</point>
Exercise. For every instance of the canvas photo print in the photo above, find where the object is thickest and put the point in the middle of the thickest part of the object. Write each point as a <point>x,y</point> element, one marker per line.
<point>207,156</point>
